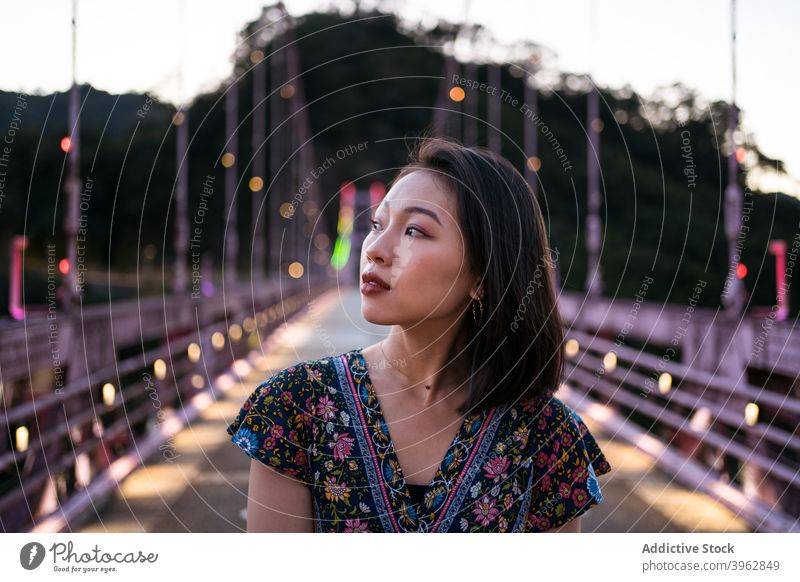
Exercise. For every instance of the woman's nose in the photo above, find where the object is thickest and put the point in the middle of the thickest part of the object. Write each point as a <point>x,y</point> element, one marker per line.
<point>378,250</point>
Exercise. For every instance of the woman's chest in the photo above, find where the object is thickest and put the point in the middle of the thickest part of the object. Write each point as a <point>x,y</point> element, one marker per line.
<point>479,476</point>
<point>420,441</point>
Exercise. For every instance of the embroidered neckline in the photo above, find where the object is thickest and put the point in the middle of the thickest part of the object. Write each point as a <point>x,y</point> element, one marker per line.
<point>456,461</point>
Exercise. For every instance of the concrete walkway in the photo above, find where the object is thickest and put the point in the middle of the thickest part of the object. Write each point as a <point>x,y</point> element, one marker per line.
<point>204,488</point>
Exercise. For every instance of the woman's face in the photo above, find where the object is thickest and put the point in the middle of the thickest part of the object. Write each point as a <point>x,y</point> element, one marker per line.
<point>417,247</point>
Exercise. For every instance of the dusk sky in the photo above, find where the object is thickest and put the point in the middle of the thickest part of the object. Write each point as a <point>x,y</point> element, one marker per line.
<point>138,46</point>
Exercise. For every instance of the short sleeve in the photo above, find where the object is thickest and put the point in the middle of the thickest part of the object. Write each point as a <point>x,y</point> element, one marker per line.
<point>274,423</point>
<point>567,461</point>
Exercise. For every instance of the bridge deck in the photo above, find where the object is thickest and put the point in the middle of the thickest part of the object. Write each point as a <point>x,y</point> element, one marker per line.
<point>204,487</point>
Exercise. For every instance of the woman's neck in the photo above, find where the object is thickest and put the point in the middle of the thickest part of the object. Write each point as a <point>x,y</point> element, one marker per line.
<point>423,362</point>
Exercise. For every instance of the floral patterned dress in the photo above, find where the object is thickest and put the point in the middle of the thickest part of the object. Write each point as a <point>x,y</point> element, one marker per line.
<point>522,468</point>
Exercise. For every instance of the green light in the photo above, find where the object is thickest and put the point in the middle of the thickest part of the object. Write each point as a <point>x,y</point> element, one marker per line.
<point>341,253</point>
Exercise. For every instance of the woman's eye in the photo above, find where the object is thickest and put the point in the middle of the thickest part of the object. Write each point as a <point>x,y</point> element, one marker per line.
<point>376,226</point>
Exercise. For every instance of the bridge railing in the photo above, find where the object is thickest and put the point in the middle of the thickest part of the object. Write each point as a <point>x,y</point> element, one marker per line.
<point>775,346</point>
<point>734,440</point>
<point>127,368</point>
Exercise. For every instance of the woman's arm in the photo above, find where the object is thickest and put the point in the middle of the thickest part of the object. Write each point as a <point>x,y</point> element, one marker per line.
<point>572,526</point>
<point>277,502</point>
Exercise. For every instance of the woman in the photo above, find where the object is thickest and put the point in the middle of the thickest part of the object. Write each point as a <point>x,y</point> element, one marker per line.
<point>450,423</point>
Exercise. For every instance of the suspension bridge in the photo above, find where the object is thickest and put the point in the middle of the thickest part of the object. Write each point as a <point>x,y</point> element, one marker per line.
<point>114,414</point>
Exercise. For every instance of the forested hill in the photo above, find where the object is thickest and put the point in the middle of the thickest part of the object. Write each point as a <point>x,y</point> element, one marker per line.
<point>368,77</point>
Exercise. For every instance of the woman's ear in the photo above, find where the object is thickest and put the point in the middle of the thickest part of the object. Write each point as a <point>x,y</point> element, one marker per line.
<point>476,293</point>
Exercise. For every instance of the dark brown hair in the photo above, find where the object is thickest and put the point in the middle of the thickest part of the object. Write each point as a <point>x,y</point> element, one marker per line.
<point>516,349</point>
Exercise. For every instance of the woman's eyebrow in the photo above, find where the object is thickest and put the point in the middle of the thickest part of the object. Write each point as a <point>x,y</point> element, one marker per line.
<point>421,210</point>
<point>413,210</point>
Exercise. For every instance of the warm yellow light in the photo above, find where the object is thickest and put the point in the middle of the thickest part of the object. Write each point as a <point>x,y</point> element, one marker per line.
<point>287,91</point>
<point>345,216</point>
<point>751,414</point>
<point>178,118</point>
<point>572,347</point>
<point>598,125</point>
<point>160,369</point>
<point>534,164</point>
<point>610,362</point>
<point>701,420</point>
<point>255,184</point>
<point>217,340</point>
<point>457,94</point>
<point>665,382</point>
<point>198,381</point>
<point>287,210</point>
<point>235,332</point>
<point>256,56</point>
<point>193,351</point>
<point>109,394</point>
<point>22,439</point>
<point>228,159</point>
<point>296,270</point>
<point>261,318</point>
<point>242,368</point>
<point>249,324</point>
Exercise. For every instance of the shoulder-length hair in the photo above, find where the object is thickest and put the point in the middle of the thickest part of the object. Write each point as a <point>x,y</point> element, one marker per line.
<point>515,351</point>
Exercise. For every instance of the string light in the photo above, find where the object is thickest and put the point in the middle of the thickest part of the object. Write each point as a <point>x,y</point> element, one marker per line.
<point>572,347</point>
<point>160,369</point>
<point>109,394</point>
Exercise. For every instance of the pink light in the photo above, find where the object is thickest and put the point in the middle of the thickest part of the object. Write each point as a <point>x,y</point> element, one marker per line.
<point>778,248</point>
<point>18,244</point>
<point>348,194</point>
<point>377,191</point>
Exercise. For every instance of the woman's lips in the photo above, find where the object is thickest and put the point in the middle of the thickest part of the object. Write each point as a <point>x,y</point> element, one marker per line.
<point>372,288</point>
